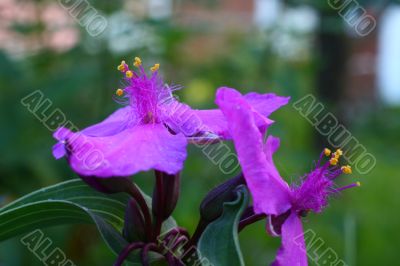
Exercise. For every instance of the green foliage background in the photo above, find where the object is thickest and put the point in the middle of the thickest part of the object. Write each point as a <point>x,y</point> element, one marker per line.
<point>362,225</point>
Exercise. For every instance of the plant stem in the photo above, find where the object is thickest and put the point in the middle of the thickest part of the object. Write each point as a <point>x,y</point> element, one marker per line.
<point>145,253</point>
<point>159,214</point>
<point>137,195</point>
<point>125,253</point>
<point>196,235</point>
<point>250,220</point>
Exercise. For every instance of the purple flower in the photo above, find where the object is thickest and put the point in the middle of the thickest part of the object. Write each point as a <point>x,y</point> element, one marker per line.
<point>151,131</point>
<point>283,204</point>
<point>132,139</point>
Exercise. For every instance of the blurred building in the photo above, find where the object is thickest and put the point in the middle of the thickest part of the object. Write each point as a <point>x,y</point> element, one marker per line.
<point>218,15</point>
<point>361,72</point>
<point>389,56</point>
<point>371,67</point>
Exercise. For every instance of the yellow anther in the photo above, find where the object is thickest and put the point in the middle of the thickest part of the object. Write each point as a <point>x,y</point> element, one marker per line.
<point>122,66</point>
<point>129,74</point>
<point>137,62</point>
<point>339,152</point>
<point>347,169</point>
<point>155,67</point>
<point>358,184</point>
<point>334,161</point>
<point>119,92</point>
<point>327,152</point>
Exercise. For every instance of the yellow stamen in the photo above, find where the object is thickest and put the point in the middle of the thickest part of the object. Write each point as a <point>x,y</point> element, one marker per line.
<point>137,62</point>
<point>155,67</point>
<point>129,74</point>
<point>347,169</point>
<point>119,92</point>
<point>358,184</point>
<point>122,66</point>
<point>334,161</point>
<point>339,152</point>
<point>327,152</point>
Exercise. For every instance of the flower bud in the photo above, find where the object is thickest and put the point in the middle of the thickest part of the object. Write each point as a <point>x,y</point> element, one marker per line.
<point>212,206</point>
<point>165,195</point>
<point>134,226</point>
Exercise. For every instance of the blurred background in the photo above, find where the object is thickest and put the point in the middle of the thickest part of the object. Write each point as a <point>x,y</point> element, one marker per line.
<point>288,47</point>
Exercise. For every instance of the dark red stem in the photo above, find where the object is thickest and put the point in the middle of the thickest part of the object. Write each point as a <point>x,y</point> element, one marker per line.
<point>250,220</point>
<point>125,253</point>
<point>160,204</point>
<point>137,195</point>
<point>145,253</point>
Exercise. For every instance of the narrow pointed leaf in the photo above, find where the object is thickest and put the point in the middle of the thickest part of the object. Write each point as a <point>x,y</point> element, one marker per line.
<point>67,203</point>
<point>219,244</point>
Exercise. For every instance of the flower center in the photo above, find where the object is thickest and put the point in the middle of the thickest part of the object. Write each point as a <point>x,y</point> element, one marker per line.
<point>315,188</point>
<point>142,91</point>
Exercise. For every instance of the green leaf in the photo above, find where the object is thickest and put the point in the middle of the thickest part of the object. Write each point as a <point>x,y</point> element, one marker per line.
<point>71,202</point>
<point>219,243</point>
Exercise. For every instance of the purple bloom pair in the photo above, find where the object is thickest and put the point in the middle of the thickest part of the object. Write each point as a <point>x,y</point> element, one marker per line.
<point>284,205</point>
<point>151,131</point>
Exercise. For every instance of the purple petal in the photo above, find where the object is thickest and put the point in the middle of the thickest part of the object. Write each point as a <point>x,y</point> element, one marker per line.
<point>118,121</point>
<point>266,104</point>
<point>139,148</point>
<point>115,123</point>
<point>180,118</point>
<point>293,250</point>
<point>59,150</point>
<point>270,192</point>
<point>213,121</point>
<point>275,222</point>
<point>270,147</point>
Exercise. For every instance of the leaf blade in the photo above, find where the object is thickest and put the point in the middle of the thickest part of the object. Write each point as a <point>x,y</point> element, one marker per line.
<point>219,244</point>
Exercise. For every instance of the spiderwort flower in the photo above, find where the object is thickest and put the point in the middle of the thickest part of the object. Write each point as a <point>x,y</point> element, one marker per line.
<point>284,205</point>
<point>151,131</point>
<point>132,139</point>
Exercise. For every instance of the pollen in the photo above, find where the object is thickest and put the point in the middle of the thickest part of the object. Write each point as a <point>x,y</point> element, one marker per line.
<point>327,152</point>
<point>122,66</point>
<point>358,184</point>
<point>155,67</point>
<point>334,161</point>
<point>339,152</point>
<point>129,74</point>
<point>137,62</point>
<point>119,92</point>
<point>347,169</point>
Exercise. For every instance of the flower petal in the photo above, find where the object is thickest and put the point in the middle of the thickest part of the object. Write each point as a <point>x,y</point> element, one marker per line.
<point>115,123</point>
<point>180,118</point>
<point>270,192</point>
<point>59,150</point>
<point>275,222</point>
<point>271,146</point>
<point>213,121</point>
<point>118,121</point>
<point>293,250</point>
<point>139,148</point>
<point>266,104</point>
<point>196,123</point>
